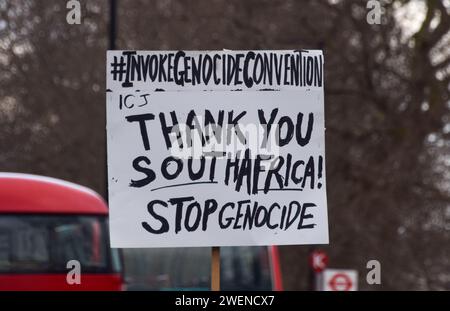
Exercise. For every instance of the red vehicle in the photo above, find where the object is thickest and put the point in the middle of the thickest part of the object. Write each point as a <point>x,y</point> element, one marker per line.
<point>44,224</point>
<point>188,268</point>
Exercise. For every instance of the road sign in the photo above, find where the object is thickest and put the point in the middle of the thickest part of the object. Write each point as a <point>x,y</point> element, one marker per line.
<point>339,280</point>
<point>318,260</point>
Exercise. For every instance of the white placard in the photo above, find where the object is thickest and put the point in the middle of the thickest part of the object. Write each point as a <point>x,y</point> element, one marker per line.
<point>202,165</point>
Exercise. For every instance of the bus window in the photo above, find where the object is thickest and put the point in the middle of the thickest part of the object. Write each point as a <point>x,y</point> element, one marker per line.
<point>242,268</point>
<point>245,268</point>
<point>45,243</point>
<point>167,268</point>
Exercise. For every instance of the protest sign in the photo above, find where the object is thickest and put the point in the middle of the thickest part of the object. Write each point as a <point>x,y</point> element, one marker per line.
<point>216,148</point>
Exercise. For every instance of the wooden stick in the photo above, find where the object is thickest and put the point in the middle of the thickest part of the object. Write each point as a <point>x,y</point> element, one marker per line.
<point>215,269</point>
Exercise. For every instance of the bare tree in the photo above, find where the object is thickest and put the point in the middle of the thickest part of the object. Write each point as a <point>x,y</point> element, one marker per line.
<point>386,96</point>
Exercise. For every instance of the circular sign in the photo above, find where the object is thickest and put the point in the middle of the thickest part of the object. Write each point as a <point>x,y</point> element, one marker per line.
<point>318,261</point>
<point>340,282</point>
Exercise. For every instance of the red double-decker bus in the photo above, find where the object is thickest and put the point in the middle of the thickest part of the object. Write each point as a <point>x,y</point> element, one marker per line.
<point>44,224</point>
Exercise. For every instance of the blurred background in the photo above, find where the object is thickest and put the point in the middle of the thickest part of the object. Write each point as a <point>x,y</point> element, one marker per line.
<point>387,111</point>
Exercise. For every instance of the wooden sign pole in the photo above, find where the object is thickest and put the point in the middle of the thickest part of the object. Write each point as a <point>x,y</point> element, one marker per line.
<point>215,269</point>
